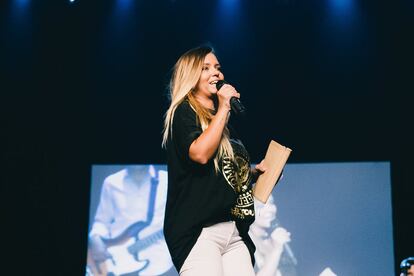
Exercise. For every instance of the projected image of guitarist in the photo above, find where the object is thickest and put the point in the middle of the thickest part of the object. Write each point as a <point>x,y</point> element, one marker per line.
<point>126,237</point>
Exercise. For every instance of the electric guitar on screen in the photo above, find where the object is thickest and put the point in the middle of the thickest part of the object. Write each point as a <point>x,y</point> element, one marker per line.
<point>130,254</point>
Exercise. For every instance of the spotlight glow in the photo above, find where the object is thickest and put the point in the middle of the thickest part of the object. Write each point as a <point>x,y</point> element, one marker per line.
<point>343,12</point>
<point>22,3</point>
<point>342,4</point>
<point>342,7</point>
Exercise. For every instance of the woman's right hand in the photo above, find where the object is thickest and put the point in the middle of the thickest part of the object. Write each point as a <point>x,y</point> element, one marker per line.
<point>205,146</point>
<point>224,95</point>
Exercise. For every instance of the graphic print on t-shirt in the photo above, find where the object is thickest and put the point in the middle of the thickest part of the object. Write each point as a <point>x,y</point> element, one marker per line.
<point>238,176</point>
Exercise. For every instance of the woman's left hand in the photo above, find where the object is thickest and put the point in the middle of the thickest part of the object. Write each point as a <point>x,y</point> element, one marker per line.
<point>261,167</point>
<point>258,170</point>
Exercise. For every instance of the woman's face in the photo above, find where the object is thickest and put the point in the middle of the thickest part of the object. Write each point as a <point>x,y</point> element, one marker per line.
<point>210,74</point>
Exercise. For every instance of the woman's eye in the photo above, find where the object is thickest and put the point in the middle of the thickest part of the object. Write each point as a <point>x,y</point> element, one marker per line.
<point>205,68</point>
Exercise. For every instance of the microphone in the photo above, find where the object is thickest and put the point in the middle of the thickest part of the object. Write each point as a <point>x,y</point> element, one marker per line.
<point>235,104</point>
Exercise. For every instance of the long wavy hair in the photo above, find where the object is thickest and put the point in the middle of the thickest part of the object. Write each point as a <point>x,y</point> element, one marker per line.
<point>183,83</point>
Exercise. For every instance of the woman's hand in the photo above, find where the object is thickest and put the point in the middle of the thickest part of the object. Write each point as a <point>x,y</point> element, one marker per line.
<point>258,170</point>
<point>261,167</point>
<point>224,95</point>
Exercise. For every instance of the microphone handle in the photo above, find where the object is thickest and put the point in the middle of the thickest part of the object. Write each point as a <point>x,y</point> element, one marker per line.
<point>237,106</point>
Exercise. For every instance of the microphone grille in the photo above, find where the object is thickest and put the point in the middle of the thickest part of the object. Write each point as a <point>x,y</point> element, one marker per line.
<point>220,83</point>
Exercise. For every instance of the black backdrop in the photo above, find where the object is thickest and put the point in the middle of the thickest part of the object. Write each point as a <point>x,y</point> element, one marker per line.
<point>85,83</point>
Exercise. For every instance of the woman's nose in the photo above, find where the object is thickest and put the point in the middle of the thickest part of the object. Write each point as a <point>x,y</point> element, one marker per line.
<point>216,72</point>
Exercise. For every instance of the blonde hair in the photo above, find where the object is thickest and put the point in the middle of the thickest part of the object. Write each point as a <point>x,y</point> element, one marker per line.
<point>186,74</point>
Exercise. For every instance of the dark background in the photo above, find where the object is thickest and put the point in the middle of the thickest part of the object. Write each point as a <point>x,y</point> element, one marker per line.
<point>85,83</point>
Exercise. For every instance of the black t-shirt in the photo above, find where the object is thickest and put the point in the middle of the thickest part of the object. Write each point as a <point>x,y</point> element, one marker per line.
<point>198,196</point>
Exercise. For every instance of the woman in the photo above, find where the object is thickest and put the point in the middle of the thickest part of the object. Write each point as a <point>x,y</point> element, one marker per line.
<point>209,203</point>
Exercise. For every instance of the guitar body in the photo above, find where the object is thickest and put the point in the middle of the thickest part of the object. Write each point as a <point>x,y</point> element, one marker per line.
<point>137,250</point>
<point>122,261</point>
<point>148,256</point>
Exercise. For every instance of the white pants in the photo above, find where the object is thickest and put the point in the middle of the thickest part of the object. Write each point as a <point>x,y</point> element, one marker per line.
<point>219,251</point>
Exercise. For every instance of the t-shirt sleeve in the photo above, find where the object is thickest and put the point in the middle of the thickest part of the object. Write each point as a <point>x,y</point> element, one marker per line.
<point>185,129</point>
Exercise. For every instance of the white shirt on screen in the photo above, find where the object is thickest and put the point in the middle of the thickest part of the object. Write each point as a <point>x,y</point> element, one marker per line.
<point>123,203</point>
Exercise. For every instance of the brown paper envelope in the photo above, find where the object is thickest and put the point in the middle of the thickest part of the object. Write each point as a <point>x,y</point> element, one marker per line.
<point>275,160</point>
